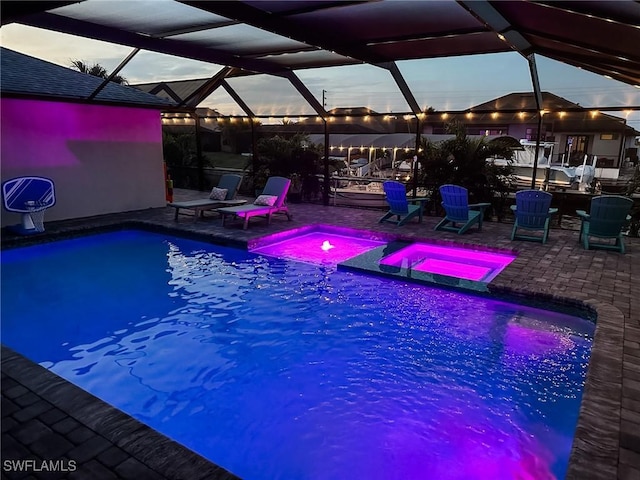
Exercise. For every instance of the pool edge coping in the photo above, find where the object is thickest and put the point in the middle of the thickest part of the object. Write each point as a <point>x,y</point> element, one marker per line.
<point>600,414</point>
<point>160,453</point>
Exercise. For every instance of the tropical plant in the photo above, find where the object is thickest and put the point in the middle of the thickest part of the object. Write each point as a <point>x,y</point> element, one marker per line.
<point>286,157</point>
<point>179,152</point>
<point>462,160</point>
<point>235,135</point>
<point>97,70</point>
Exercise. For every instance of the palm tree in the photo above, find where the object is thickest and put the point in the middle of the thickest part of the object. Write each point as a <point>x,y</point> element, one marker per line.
<point>463,161</point>
<point>97,70</point>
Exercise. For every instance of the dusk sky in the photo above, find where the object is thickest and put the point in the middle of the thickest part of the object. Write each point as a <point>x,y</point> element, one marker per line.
<point>444,83</point>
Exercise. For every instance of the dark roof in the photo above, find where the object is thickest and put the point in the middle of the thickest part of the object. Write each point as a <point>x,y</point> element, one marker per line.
<point>22,75</point>
<point>565,115</point>
<point>279,37</point>
<point>520,101</point>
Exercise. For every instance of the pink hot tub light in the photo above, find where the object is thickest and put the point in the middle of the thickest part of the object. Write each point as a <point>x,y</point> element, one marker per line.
<point>319,248</point>
<point>476,265</point>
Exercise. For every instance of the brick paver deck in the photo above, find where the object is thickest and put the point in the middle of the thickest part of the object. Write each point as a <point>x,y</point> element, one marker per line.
<point>46,418</point>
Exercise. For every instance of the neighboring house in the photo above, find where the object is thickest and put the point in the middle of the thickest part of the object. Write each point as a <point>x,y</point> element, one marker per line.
<point>104,155</point>
<point>575,131</point>
<point>569,131</point>
<point>353,121</point>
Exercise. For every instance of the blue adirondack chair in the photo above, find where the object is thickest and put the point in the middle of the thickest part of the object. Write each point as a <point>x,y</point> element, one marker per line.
<point>400,207</point>
<point>533,212</point>
<point>608,214</point>
<point>459,213</point>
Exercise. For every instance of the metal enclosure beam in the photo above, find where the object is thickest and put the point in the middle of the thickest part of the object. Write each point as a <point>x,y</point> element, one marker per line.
<point>486,13</point>
<point>274,22</point>
<point>113,74</point>
<point>237,99</point>
<point>207,88</point>
<point>402,85</point>
<point>58,23</point>
<point>306,94</point>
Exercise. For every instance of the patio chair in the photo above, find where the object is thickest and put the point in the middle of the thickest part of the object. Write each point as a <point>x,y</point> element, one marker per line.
<point>608,215</point>
<point>533,212</point>
<point>458,212</point>
<point>222,195</point>
<point>271,201</point>
<point>399,207</point>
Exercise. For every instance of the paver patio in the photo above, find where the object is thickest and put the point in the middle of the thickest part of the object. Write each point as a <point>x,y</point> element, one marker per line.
<point>44,417</point>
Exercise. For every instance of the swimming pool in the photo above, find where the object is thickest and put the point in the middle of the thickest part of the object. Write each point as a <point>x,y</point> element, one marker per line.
<point>279,369</point>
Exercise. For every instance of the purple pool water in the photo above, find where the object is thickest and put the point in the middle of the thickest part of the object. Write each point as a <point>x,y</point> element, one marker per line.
<point>277,369</point>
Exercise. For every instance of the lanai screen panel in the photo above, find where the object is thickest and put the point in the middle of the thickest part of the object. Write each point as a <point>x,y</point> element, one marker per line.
<point>459,83</point>
<point>275,37</point>
<point>149,17</point>
<point>355,86</point>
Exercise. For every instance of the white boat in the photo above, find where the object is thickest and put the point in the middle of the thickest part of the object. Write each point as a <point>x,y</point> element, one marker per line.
<point>548,175</point>
<point>363,191</point>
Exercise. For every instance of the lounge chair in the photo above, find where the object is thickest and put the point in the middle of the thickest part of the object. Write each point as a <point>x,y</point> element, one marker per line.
<point>533,212</point>
<point>458,212</point>
<point>608,214</point>
<point>221,196</point>
<point>399,207</point>
<point>271,201</point>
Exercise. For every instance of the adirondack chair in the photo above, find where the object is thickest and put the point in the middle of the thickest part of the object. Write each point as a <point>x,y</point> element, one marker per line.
<point>459,213</point>
<point>533,212</point>
<point>400,207</point>
<point>608,214</point>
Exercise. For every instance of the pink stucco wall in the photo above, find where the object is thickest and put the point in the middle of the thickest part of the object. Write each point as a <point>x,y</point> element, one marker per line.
<point>103,159</point>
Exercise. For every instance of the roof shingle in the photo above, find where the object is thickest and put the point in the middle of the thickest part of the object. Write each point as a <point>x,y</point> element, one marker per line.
<point>22,75</point>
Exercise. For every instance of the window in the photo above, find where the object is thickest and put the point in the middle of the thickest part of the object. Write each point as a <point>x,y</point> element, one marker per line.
<point>608,136</point>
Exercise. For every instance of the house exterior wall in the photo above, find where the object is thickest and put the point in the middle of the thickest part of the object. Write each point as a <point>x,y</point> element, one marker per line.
<point>102,159</point>
<point>609,149</point>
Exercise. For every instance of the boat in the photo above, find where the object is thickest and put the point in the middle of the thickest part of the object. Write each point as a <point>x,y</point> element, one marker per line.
<point>364,191</point>
<point>356,191</point>
<point>549,176</point>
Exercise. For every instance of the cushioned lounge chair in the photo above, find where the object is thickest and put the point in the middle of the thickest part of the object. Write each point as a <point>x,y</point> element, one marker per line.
<point>271,201</point>
<point>533,213</point>
<point>608,215</point>
<point>460,215</point>
<point>222,195</point>
<point>399,207</point>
